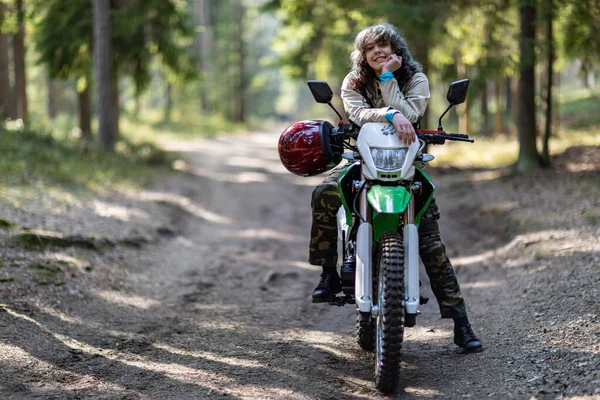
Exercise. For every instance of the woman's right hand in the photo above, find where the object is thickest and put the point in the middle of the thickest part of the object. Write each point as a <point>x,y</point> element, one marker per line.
<point>405,129</point>
<point>393,64</point>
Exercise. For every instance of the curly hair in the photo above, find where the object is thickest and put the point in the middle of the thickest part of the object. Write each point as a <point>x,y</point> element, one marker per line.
<point>363,76</point>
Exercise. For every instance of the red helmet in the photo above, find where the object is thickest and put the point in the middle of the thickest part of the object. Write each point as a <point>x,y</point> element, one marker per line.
<point>305,148</point>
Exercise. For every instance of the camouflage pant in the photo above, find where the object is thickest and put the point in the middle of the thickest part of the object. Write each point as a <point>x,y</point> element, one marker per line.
<point>323,244</point>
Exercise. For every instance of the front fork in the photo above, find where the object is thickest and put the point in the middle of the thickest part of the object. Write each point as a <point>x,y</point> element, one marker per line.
<point>411,261</point>
<point>363,293</point>
<point>364,264</point>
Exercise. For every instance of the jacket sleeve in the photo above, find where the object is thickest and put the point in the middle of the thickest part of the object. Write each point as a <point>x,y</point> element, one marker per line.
<point>413,102</point>
<point>357,108</point>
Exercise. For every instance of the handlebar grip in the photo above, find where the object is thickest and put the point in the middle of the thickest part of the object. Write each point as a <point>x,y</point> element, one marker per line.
<point>458,135</point>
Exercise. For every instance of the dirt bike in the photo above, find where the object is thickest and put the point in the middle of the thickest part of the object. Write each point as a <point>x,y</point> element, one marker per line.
<point>384,194</point>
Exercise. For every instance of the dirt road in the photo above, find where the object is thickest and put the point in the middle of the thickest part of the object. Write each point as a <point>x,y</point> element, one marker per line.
<point>217,305</point>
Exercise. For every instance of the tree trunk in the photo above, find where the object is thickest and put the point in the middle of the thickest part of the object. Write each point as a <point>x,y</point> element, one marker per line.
<point>549,81</point>
<point>116,100</point>
<point>137,107</point>
<point>52,98</point>
<point>5,89</point>
<point>204,44</point>
<point>464,121</point>
<point>508,96</point>
<point>85,114</point>
<point>498,123</point>
<point>485,114</point>
<point>107,124</point>
<point>421,52</point>
<point>240,108</point>
<point>515,103</point>
<point>590,78</point>
<point>19,54</point>
<point>168,102</point>
<point>528,154</point>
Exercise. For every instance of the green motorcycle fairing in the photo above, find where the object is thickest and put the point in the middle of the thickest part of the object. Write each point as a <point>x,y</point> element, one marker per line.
<point>345,187</point>
<point>388,202</point>
<point>424,198</point>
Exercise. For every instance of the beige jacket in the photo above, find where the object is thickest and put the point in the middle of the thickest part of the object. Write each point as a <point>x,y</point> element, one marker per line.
<point>411,100</point>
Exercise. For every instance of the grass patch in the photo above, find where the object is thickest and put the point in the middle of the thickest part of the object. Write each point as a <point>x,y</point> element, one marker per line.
<point>30,156</point>
<point>45,270</point>
<point>579,123</point>
<point>152,127</point>
<point>579,109</point>
<point>5,224</point>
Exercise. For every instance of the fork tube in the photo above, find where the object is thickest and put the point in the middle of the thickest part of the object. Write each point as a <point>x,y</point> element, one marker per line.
<point>363,292</point>
<point>411,259</point>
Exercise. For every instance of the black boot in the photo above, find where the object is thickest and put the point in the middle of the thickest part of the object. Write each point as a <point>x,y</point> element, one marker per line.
<point>328,286</point>
<point>464,336</point>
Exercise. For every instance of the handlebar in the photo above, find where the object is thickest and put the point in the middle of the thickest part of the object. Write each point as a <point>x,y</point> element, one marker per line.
<point>435,137</point>
<point>350,130</point>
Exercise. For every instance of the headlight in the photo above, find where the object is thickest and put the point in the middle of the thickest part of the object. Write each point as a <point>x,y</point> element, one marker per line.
<point>389,159</point>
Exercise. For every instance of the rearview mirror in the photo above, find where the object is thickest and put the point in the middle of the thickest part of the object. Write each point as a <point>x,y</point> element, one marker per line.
<point>457,92</point>
<point>320,91</point>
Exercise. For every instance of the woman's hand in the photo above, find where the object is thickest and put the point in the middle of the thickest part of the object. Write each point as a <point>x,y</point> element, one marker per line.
<point>406,131</point>
<point>392,65</point>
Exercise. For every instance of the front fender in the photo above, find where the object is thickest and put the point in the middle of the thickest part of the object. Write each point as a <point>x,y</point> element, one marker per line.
<point>388,202</point>
<point>388,199</point>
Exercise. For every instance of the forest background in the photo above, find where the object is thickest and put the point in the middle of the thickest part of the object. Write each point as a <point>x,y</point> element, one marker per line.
<point>182,68</point>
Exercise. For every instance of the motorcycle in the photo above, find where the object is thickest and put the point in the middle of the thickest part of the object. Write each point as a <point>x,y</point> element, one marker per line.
<point>384,193</point>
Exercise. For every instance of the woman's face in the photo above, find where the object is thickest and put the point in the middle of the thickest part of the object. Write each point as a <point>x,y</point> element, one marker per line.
<point>377,54</point>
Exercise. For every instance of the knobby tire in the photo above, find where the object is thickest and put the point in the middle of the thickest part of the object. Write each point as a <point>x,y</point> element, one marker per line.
<point>389,327</point>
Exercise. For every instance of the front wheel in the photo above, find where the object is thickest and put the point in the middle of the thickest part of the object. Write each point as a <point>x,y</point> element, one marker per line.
<point>365,332</point>
<point>389,326</point>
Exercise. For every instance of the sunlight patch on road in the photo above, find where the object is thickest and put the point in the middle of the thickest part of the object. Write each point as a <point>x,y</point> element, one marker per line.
<point>111,296</point>
<point>14,356</point>
<point>307,181</point>
<point>265,234</point>
<point>213,324</point>
<point>60,315</point>
<point>299,264</point>
<point>171,370</point>
<point>424,334</point>
<point>475,259</point>
<point>485,175</point>
<point>422,392</point>
<point>118,212</point>
<point>242,177</point>
<point>518,242</point>
<point>582,167</point>
<point>266,260</point>
<point>324,341</point>
<point>249,162</point>
<point>233,361</point>
<point>479,285</point>
<point>185,204</point>
<point>182,240</point>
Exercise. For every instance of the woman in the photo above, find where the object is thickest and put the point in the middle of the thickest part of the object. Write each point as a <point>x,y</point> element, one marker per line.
<point>386,84</point>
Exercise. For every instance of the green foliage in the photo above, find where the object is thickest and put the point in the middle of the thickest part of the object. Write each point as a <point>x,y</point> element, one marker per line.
<point>316,30</point>
<point>31,157</point>
<point>140,31</point>
<point>580,20</point>
<point>63,38</point>
<point>581,110</point>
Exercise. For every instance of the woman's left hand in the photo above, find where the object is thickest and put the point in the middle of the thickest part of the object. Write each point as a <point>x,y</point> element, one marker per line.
<point>406,131</point>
